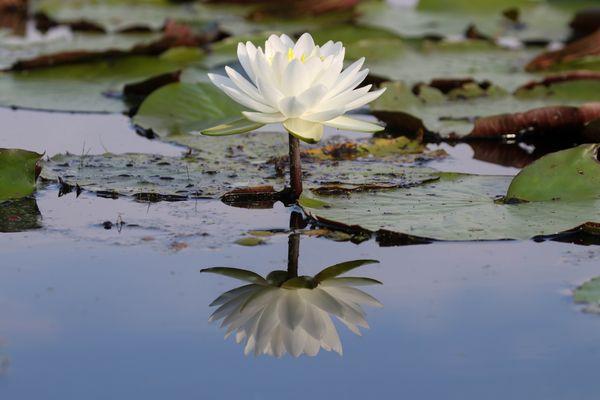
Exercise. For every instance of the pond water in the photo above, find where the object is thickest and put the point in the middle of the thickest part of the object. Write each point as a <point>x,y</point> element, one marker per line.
<point>88,312</point>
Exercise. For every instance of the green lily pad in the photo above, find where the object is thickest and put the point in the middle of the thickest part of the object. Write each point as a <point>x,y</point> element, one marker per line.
<point>18,50</point>
<point>589,294</point>
<point>18,173</point>
<point>456,111</point>
<point>185,107</point>
<point>532,20</point>
<point>423,60</point>
<point>250,241</point>
<point>85,87</point>
<point>571,174</point>
<point>455,207</point>
<point>221,166</point>
<point>114,16</point>
<point>19,215</point>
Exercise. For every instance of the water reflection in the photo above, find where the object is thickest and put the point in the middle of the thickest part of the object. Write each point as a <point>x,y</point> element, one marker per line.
<point>285,312</point>
<point>19,215</point>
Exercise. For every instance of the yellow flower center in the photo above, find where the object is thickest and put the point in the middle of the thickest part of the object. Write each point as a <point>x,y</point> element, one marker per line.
<point>291,55</point>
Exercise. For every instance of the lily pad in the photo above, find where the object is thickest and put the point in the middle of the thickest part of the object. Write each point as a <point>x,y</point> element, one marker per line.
<point>180,108</point>
<point>19,215</point>
<point>589,294</point>
<point>18,173</point>
<point>571,174</point>
<point>116,16</point>
<point>15,50</point>
<point>526,20</point>
<point>455,207</point>
<point>456,111</point>
<point>219,165</point>
<point>85,87</point>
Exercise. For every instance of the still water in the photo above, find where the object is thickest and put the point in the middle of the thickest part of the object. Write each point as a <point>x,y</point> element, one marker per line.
<point>122,313</point>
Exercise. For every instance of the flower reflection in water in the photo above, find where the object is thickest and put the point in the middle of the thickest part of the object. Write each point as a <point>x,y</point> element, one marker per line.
<point>288,313</point>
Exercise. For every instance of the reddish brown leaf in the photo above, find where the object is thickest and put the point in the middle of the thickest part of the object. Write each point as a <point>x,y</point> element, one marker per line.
<point>261,197</point>
<point>585,22</point>
<point>175,34</point>
<point>562,77</point>
<point>587,46</point>
<point>547,121</point>
<point>13,15</point>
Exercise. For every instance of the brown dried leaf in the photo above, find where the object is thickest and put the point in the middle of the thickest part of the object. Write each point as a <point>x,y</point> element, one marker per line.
<point>554,120</point>
<point>587,46</point>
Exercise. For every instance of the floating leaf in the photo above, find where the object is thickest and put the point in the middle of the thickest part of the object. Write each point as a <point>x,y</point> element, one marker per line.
<point>527,20</point>
<point>571,174</point>
<point>250,241</point>
<point>589,294</point>
<point>19,215</point>
<point>583,54</point>
<point>81,87</point>
<point>18,173</point>
<point>185,107</point>
<point>117,16</point>
<point>221,166</point>
<point>456,207</point>
<point>461,109</point>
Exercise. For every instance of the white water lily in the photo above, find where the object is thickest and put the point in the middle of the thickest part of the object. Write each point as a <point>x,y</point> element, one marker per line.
<point>301,85</point>
<point>292,318</point>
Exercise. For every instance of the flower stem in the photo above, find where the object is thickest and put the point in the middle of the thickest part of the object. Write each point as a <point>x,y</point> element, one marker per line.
<point>295,167</point>
<point>296,222</point>
<point>293,254</point>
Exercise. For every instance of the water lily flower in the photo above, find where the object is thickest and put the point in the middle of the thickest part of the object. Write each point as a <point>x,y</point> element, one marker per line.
<point>277,314</point>
<point>300,85</point>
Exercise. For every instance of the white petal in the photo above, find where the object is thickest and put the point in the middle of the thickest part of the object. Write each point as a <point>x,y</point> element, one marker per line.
<point>233,293</point>
<point>294,341</point>
<point>331,339</point>
<point>312,96</point>
<point>291,309</point>
<point>308,131</point>
<point>219,80</point>
<point>245,100</point>
<point>313,323</point>
<point>346,78</point>
<point>343,99</point>
<point>330,48</point>
<point>352,124</point>
<point>264,118</point>
<point>291,107</point>
<point>312,68</point>
<point>274,45</point>
<point>285,39</point>
<point>245,59</point>
<point>323,116</point>
<point>294,80</point>
<point>332,67</point>
<point>304,45</point>
<point>324,301</point>
<point>366,99</point>
<point>266,325</point>
<point>312,346</point>
<point>243,84</point>
<point>268,91</point>
<point>278,64</point>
